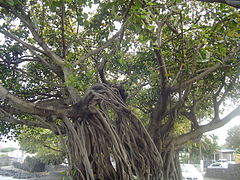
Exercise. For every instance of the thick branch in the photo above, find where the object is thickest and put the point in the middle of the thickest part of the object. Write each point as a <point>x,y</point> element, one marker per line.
<point>206,72</point>
<point>63,31</point>
<point>56,59</point>
<point>162,67</point>
<point>5,116</point>
<point>29,46</point>
<point>25,106</point>
<point>33,49</point>
<point>28,22</point>
<point>233,3</point>
<point>101,70</point>
<point>208,127</point>
<point>95,51</point>
<point>216,109</point>
<point>192,117</point>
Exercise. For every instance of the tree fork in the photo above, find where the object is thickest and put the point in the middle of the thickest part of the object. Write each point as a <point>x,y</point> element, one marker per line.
<point>119,146</point>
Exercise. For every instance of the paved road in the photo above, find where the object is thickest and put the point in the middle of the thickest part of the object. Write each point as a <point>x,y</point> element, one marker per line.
<point>8,178</point>
<point>207,178</point>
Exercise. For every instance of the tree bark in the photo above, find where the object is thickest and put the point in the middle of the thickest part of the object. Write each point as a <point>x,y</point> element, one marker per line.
<point>107,141</point>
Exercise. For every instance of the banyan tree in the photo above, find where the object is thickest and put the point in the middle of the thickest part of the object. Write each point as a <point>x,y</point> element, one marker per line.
<point>125,84</point>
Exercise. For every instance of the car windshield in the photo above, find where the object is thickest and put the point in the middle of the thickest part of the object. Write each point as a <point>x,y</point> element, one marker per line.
<point>216,164</point>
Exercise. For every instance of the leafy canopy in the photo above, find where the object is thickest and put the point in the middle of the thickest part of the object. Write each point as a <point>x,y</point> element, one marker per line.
<point>233,138</point>
<point>96,72</point>
<point>43,143</point>
<point>177,60</point>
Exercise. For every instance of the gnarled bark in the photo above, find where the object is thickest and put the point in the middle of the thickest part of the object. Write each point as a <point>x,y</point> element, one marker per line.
<point>109,142</point>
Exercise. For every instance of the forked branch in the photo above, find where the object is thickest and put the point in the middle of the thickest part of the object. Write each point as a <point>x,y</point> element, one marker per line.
<point>25,106</point>
<point>5,116</point>
<point>99,49</point>
<point>206,72</point>
<point>205,128</point>
<point>233,3</point>
<point>18,12</point>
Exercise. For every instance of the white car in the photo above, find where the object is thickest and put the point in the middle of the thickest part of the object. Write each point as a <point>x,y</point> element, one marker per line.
<point>190,172</point>
<point>218,165</point>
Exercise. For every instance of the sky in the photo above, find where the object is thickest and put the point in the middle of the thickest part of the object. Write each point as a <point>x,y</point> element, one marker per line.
<point>222,132</point>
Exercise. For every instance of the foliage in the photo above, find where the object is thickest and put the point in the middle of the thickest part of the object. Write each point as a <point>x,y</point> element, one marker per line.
<point>202,150</point>
<point>31,164</point>
<point>209,146</point>
<point>125,81</point>
<point>8,130</point>
<point>232,140</point>
<point>43,143</point>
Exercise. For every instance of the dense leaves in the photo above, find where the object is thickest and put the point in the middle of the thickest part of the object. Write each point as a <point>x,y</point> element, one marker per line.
<point>202,150</point>
<point>233,138</point>
<point>146,76</point>
<point>43,143</point>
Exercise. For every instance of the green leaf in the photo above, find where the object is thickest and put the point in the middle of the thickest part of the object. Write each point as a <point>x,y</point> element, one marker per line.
<point>89,74</point>
<point>121,61</point>
<point>150,27</point>
<point>11,2</point>
<point>68,64</point>
<point>150,3</point>
<point>143,16</point>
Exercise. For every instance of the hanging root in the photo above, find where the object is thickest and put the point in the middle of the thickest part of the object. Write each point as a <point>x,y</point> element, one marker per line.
<point>107,141</point>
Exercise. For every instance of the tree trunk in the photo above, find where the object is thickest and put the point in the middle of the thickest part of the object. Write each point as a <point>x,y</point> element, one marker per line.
<point>107,141</point>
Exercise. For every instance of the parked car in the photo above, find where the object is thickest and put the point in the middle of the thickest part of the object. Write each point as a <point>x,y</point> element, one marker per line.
<point>222,160</point>
<point>190,172</point>
<point>206,163</point>
<point>218,165</point>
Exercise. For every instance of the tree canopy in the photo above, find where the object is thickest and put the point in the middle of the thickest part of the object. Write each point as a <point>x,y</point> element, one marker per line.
<point>42,142</point>
<point>202,150</point>
<point>133,80</point>
<point>232,140</point>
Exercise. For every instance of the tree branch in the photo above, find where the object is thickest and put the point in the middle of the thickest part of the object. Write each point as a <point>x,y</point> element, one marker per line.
<point>216,109</point>
<point>206,72</point>
<point>28,22</point>
<point>12,36</point>
<point>27,107</point>
<point>63,30</point>
<point>162,68</point>
<point>99,49</point>
<point>18,12</point>
<point>33,49</point>
<point>233,3</point>
<point>125,16</point>
<point>205,128</point>
<point>102,64</point>
<point>49,147</point>
<point>5,116</point>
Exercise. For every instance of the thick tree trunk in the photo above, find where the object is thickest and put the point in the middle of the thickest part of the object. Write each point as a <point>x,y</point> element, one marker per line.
<point>104,160</point>
<point>171,169</point>
<point>107,141</point>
